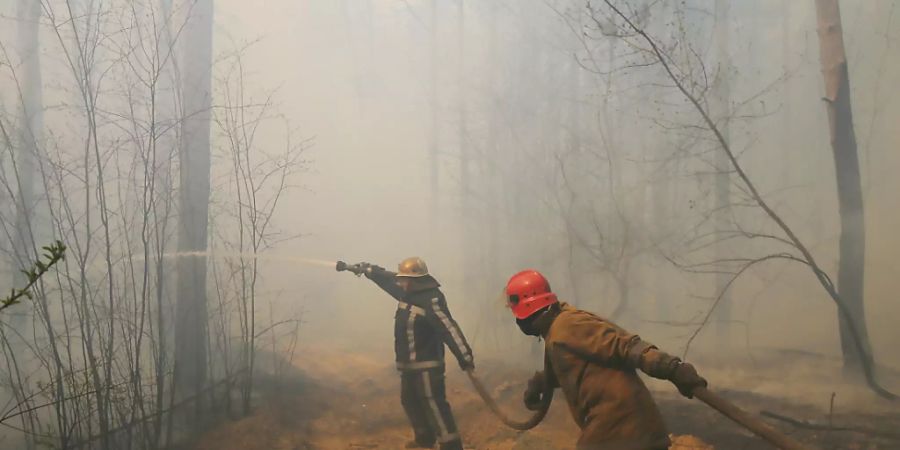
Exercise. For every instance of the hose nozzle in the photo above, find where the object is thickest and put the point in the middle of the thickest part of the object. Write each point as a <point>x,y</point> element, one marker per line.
<point>357,269</point>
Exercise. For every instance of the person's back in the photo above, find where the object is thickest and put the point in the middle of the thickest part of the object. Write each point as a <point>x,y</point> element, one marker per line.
<point>609,401</point>
<point>594,362</point>
<point>422,323</point>
<point>422,326</point>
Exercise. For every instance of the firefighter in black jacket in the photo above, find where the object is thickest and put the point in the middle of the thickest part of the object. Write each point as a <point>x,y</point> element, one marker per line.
<point>422,325</point>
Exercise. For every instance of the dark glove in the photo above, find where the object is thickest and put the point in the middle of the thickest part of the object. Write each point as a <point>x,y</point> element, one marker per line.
<point>686,379</point>
<point>467,364</point>
<point>533,393</point>
<point>359,268</point>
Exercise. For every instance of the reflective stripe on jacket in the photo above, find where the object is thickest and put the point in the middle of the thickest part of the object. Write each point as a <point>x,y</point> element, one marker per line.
<point>422,324</point>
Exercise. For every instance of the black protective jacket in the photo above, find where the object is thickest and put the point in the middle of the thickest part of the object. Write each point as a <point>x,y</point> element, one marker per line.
<point>422,324</point>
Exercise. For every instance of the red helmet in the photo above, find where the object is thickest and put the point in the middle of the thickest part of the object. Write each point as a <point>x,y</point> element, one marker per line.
<point>527,292</point>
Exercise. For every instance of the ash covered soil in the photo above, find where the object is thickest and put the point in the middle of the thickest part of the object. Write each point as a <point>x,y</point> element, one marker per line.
<point>337,400</point>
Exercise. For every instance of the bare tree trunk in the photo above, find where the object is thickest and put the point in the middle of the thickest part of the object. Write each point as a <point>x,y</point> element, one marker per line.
<point>433,150</point>
<point>722,99</point>
<point>464,156</point>
<point>489,186</point>
<point>575,147</point>
<point>194,157</point>
<point>29,79</point>
<point>787,90</point>
<point>167,145</point>
<point>846,161</point>
<point>854,335</point>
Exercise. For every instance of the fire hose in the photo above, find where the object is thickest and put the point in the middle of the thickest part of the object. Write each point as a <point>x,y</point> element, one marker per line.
<point>528,424</point>
<point>726,408</point>
<point>711,399</point>
<point>738,415</point>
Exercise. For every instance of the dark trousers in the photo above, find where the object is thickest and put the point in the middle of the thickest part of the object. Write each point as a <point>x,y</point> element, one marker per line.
<point>424,400</point>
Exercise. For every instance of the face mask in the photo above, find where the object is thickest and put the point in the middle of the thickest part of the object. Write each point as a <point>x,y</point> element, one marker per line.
<point>542,319</point>
<point>527,326</point>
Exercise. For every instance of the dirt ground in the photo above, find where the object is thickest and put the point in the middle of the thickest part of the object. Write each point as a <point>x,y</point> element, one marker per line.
<point>338,400</point>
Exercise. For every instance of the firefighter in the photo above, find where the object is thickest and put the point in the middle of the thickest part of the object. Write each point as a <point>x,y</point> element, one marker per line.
<point>422,326</point>
<point>595,364</point>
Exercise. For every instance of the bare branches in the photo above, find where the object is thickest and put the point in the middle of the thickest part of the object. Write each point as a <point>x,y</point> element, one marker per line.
<point>747,265</point>
<point>255,184</point>
<point>100,351</point>
<point>678,79</point>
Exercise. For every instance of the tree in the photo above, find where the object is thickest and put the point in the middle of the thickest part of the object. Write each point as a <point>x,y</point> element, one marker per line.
<point>96,370</point>
<point>462,139</point>
<point>194,159</point>
<point>25,149</point>
<point>787,124</point>
<point>795,249</point>
<point>258,181</point>
<point>434,131</point>
<point>722,108</point>
<point>851,269</point>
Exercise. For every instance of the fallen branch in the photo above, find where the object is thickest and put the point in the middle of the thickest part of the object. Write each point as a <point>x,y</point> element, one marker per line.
<point>825,427</point>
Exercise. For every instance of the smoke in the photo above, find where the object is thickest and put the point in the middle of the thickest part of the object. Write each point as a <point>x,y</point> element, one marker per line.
<point>249,256</point>
<point>532,110</point>
<point>518,134</point>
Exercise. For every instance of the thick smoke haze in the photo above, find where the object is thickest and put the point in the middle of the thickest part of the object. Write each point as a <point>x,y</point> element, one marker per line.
<point>485,136</point>
<point>356,77</point>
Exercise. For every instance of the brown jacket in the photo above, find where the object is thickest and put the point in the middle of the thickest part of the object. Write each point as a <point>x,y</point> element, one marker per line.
<point>594,362</point>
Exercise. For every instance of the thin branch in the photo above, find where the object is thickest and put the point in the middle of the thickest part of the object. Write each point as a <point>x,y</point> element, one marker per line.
<point>55,253</point>
<point>825,427</point>
<point>824,280</point>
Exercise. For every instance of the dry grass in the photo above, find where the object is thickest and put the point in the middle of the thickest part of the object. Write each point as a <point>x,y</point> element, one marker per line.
<point>339,400</point>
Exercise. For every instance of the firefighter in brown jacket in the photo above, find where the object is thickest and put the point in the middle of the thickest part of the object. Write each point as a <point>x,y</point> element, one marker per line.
<point>594,362</point>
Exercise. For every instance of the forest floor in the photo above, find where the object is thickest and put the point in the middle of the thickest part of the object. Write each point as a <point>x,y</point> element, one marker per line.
<point>338,400</point>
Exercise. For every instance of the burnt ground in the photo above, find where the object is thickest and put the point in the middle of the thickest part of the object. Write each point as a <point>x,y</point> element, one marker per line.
<point>338,400</point>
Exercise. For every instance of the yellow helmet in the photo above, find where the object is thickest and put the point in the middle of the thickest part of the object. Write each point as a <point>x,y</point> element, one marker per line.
<point>413,267</point>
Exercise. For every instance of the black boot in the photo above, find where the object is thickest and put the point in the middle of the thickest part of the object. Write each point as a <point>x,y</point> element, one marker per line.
<point>452,445</point>
<point>417,444</point>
